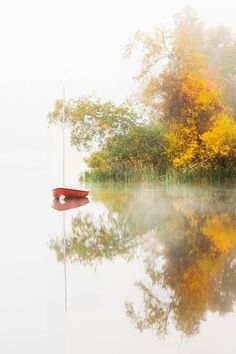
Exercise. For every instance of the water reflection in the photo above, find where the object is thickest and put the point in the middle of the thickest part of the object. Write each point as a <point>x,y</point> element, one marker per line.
<point>92,241</point>
<point>186,239</point>
<point>68,203</point>
<point>63,205</point>
<point>195,245</point>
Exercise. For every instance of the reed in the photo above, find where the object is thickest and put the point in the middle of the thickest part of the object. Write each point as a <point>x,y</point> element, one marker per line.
<point>149,174</point>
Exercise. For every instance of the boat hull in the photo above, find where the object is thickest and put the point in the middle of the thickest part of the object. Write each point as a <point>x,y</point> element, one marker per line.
<point>69,193</point>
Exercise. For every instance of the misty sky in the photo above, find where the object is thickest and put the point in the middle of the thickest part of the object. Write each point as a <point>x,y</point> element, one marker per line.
<point>83,40</point>
<point>45,43</point>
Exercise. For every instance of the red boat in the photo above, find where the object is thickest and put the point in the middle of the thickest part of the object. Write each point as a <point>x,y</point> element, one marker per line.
<point>69,203</point>
<point>69,193</point>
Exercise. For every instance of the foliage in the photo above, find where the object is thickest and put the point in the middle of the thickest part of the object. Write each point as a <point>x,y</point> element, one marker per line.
<point>142,146</point>
<point>203,132</point>
<point>92,121</point>
<point>185,88</point>
<point>168,54</point>
<point>220,49</point>
<point>221,138</point>
<point>188,99</point>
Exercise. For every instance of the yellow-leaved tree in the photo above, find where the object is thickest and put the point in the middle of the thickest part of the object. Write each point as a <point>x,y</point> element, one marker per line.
<point>220,140</point>
<point>186,89</point>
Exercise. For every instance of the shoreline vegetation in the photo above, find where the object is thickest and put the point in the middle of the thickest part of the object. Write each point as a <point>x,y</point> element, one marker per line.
<point>182,124</point>
<point>145,174</point>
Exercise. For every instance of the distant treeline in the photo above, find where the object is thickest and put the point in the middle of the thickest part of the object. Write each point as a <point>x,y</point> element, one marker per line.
<point>184,121</point>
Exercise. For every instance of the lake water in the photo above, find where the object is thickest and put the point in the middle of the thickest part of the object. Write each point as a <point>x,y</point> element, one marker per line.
<point>150,268</point>
<point>140,269</point>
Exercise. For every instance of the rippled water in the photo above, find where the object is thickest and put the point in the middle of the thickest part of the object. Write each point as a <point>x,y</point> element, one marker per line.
<point>146,268</point>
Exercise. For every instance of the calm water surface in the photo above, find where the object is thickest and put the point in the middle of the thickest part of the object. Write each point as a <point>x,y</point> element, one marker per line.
<point>141,269</point>
<point>149,268</point>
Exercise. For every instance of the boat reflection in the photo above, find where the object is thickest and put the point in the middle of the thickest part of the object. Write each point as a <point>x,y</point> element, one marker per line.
<point>69,203</point>
<point>64,205</point>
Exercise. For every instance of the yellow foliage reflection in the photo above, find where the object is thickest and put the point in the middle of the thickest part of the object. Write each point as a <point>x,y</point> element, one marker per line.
<point>198,243</point>
<point>186,239</point>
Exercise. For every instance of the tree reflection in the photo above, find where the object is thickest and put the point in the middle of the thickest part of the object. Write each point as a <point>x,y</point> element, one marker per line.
<point>186,240</point>
<point>93,241</point>
<point>191,258</point>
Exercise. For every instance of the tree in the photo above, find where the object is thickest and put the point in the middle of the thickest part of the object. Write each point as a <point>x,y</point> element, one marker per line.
<point>220,49</point>
<point>188,91</point>
<point>184,87</point>
<point>201,108</point>
<point>220,140</point>
<point>92,121</point>
<point>141,147</point>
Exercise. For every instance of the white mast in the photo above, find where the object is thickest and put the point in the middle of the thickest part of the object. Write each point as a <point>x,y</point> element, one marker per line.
<point>63,136</point>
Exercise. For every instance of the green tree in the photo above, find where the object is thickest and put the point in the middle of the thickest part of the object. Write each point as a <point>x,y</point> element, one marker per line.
<point>141,147</point>
<point>92,121</point>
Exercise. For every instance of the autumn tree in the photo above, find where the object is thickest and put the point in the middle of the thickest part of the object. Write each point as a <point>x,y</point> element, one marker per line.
<point>181,85</point>
<point>220,48</point>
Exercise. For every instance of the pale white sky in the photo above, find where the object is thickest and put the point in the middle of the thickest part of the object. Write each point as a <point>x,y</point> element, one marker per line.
<point>47,42</point>
<point>83,40</point>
